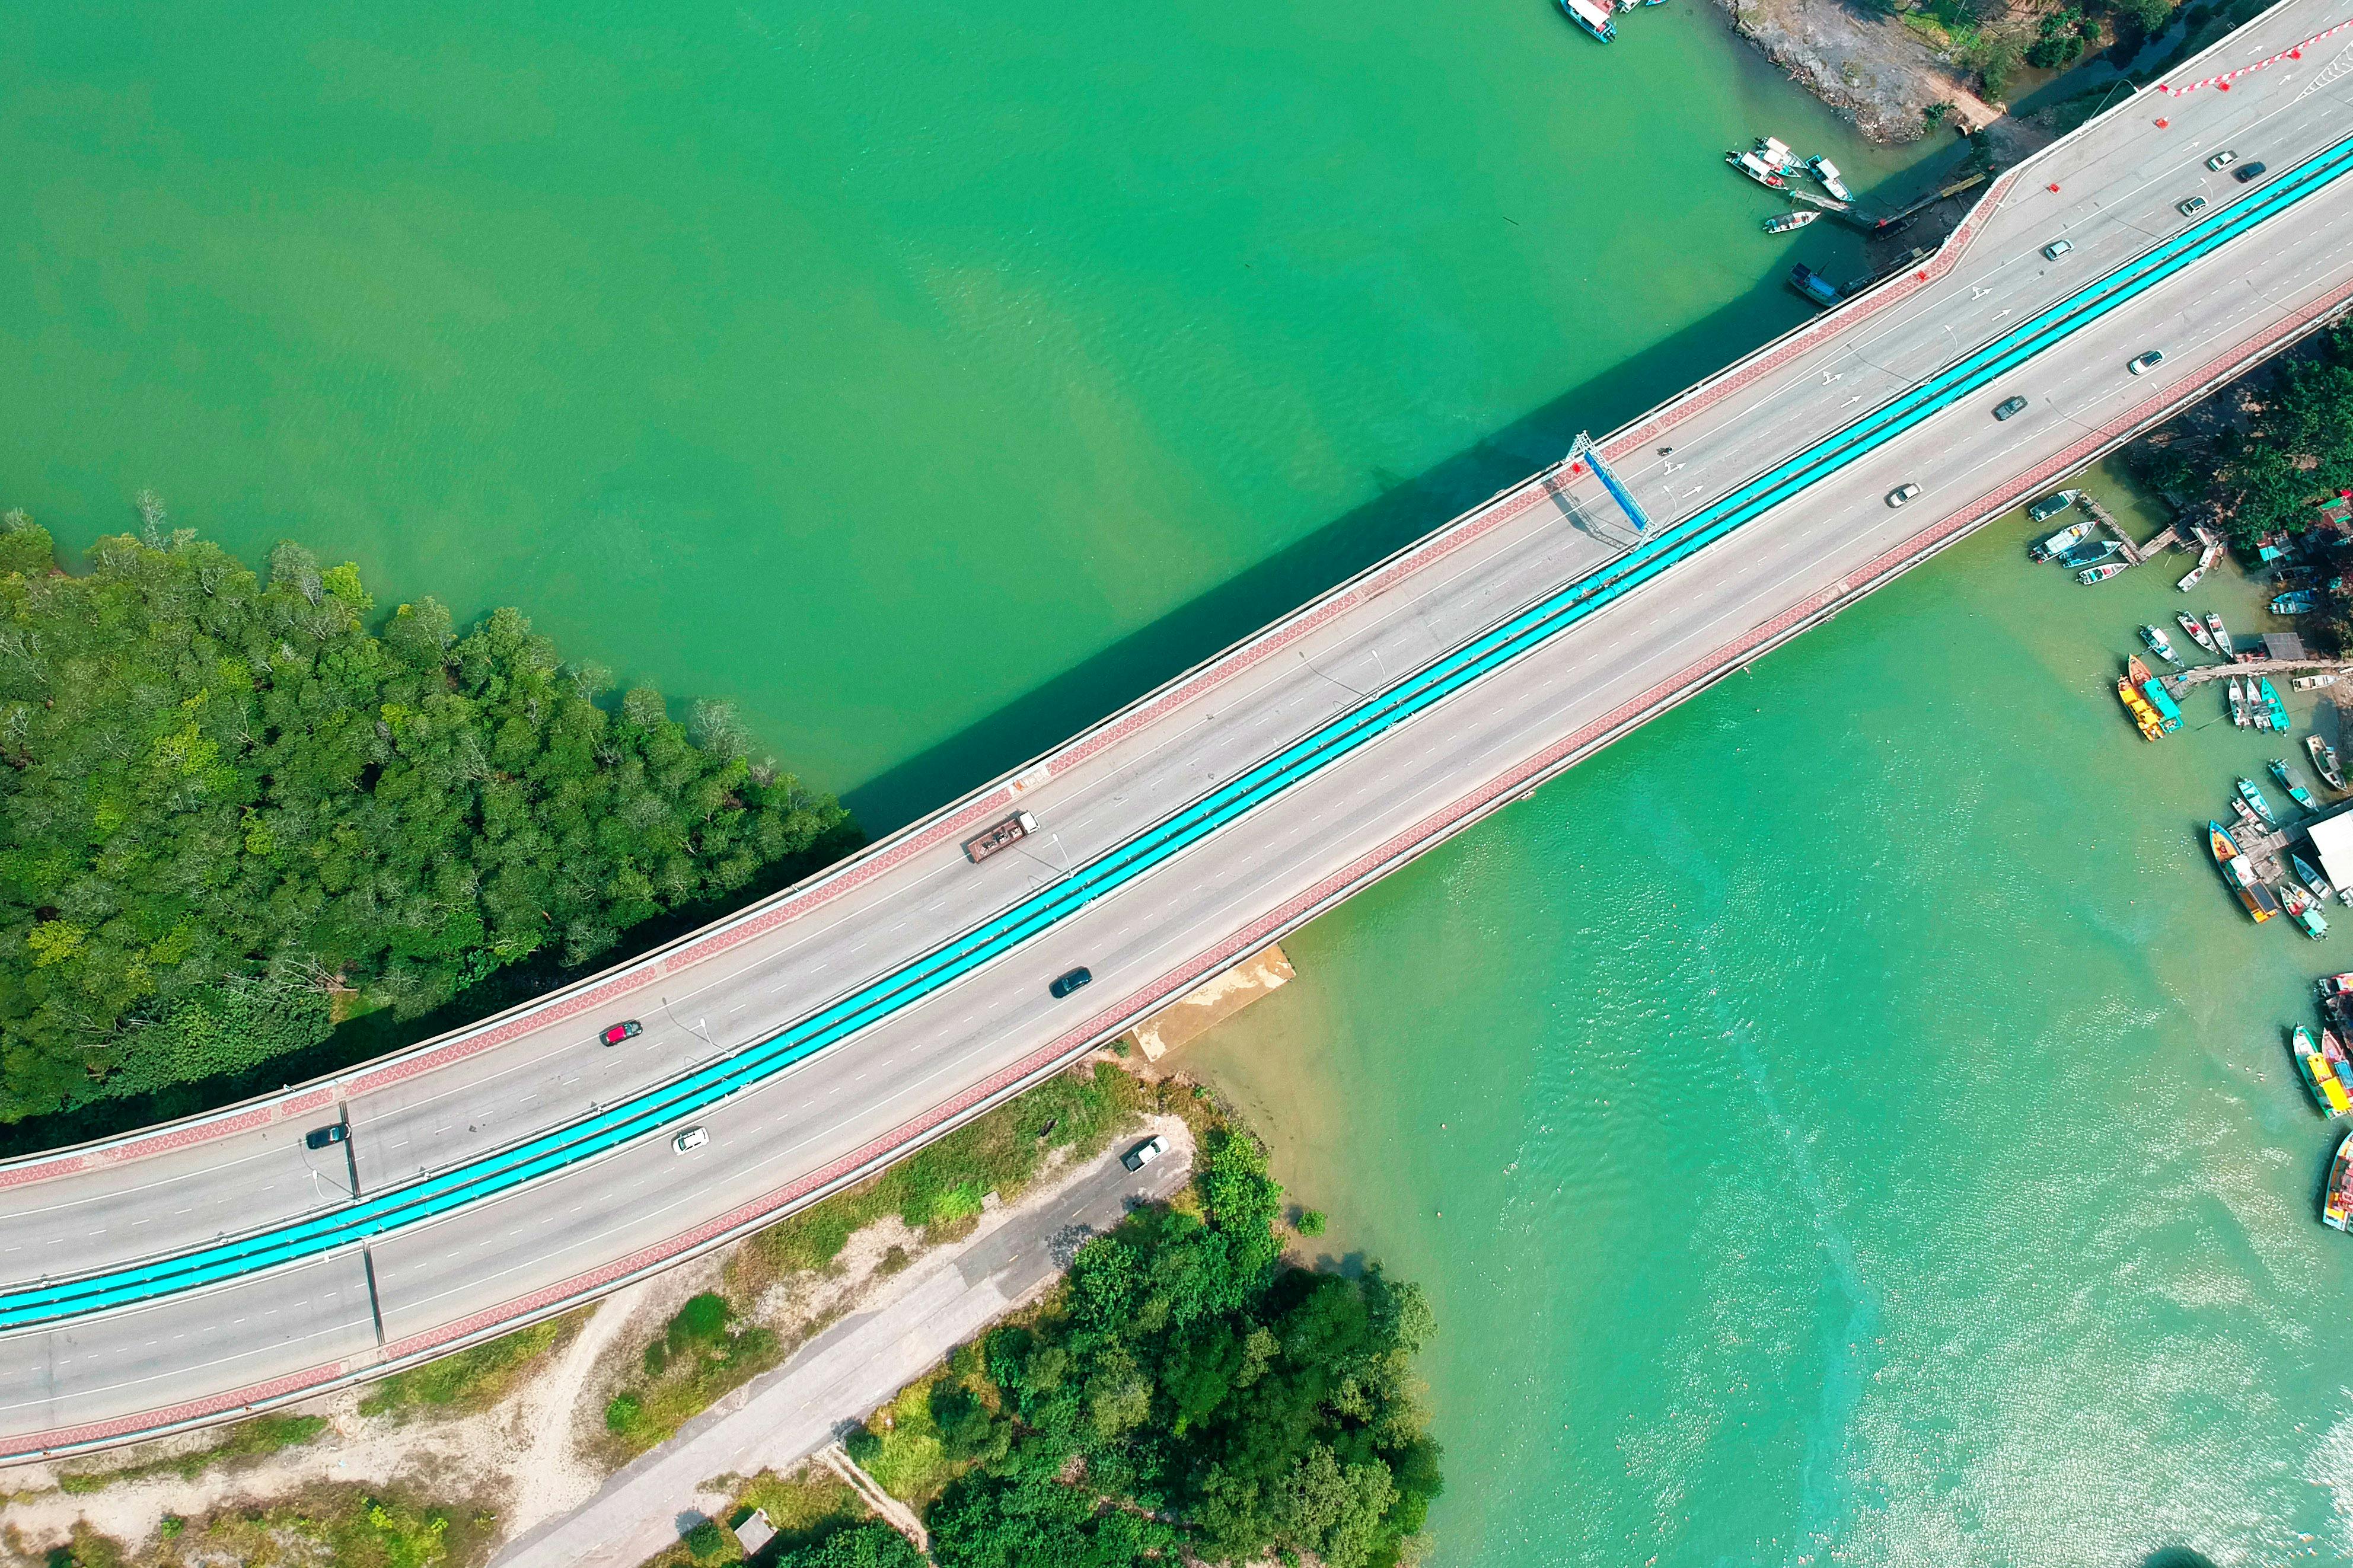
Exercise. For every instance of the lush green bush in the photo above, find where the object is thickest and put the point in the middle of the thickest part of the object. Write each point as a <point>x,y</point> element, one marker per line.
<point>2060,39</point>
<point>869,1545</point>
<point>227,801</point>
<point>1210,1402</point>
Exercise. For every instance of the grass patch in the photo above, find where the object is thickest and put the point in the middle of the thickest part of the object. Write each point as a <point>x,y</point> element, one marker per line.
<point>350,1527</point>
<point>802,1507</point>
<point>901,1446</point>
<point>241,1444</point>
<point>700,1354</point>
<point>941,1186</point>
<point>473,1379</point>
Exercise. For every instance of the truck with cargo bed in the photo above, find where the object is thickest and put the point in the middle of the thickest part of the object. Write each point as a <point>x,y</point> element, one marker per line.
<point>980,847</point>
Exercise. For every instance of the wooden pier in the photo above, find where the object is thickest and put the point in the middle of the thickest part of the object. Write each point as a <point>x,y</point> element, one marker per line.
<point>2200,674</point>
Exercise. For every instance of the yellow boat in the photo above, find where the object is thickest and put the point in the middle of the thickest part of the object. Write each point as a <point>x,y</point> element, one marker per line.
<point>2151,726</point>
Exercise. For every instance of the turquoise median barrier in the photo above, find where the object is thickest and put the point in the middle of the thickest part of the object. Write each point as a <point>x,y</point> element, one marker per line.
<point>52,1301</point>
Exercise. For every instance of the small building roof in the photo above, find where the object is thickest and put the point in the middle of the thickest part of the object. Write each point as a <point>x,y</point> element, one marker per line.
<point>755,1532</point>
<point>2332,839</point>
<point>2283,644</point>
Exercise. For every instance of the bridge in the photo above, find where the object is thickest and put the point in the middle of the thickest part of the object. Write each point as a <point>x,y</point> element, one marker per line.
<point>204,1269</point>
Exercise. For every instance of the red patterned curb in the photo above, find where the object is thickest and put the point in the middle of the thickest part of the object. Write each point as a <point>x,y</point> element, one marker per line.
<point>1402,846</point>
<point>2222,80</point>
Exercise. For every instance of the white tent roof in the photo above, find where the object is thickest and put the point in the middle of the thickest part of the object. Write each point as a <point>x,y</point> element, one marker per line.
<point>2333,837</point>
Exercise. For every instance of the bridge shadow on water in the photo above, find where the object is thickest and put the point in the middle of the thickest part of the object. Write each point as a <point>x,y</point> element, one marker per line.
<point>1406,508</point>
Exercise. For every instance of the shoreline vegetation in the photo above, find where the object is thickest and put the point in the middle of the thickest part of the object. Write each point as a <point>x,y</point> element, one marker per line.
<point>1186,1391</point>
<point>241,810</point>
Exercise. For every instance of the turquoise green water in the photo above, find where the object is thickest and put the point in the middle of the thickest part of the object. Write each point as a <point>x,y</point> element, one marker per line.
<point>1844,1123</point>
<point>926,381</point>
<point>1848,1123</point>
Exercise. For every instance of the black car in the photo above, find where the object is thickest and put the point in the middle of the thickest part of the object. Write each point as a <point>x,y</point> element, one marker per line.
<point>1065,983</point>
<point>325,1137</point>
<point>2009,406</point>
<point>2246,172</point>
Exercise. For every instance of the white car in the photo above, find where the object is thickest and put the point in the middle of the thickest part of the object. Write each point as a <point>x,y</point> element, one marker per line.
<point>692,1138</point>
<point>1901,494</point>
<point>2220,161</point>
<point>2148,360</point>
<point>1144,1154</point>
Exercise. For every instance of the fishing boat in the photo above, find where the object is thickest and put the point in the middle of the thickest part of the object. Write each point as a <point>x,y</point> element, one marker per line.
<point>2296,602</point>
<point>2324,760</point>
<point>2336,1197</point>
<point>2090,553</point>
<point>2197,574</point>
<point>1750,164</point>
<point>2160,644</point>
<point>2297,792</point>
<point>2311,876</point>
<point>2191,578</point>
<point>2235,870</point>
<point>2303,909</point>
<point>2152,725</point>
<point>2332,1051</point>
<point>2254,799</point>
<point>2327,1089</point>
<point>2248,821</point>
<point>1785,222</point>
<point>1591,16</point>
<point>2198,632</point>
<point>2162,701</point>
<point>2278,708</point>
<point>1776,153</point>
<point>2336,984</point>
<point>1827,173</point>
<point>2221,635</point>
<point>2100,574</point>
<point>2313,682</point>
<point>2052,505</point>
<point>2239,703</point>
<point>2066,538</point>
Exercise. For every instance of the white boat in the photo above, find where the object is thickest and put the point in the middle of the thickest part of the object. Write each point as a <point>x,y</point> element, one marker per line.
<point>1591,17</point>
<point>2158,644</point>
<point>2221,636</point>
<point>1777,152</point>
<point>2212,554</point>
<point>2313,682</point>
<point>1750,164</point>
<point>2196,630</point>
<point>1785,222</point>
<point>1827,173</point>
<point>2061,542</point>
<point>2238,703</point>
<point>2091,574</point>
<point>2190,579</point>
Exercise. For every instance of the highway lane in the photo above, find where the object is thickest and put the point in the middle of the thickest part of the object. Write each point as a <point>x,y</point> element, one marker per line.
<point>1724,441</point>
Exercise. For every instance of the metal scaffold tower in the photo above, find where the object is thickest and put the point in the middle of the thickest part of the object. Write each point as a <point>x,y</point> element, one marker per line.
<point>1585,454</point>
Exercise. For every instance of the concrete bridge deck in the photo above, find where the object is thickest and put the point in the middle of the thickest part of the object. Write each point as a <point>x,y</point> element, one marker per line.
<point>1635,645</point>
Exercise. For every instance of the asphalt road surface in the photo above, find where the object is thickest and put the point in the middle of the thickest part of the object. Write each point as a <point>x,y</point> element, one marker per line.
<point>216,1351</point>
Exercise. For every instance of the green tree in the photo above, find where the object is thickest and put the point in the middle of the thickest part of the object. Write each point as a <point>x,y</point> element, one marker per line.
<point>232,807</point>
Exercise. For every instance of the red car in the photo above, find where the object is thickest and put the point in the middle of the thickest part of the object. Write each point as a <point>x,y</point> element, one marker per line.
<point>628,1030</point>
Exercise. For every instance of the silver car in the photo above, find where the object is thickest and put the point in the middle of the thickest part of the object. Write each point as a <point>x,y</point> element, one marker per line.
<point>1901,494</point>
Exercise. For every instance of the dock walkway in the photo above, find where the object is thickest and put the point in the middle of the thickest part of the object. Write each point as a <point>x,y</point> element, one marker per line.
<point>2200,674</point>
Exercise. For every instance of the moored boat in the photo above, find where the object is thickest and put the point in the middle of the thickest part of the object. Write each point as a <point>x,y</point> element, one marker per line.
<point>2158,644</point>
<point>2151,723</point>
<point>2278,708</point>
<point>2311,876</point>
<point>2052,505</point>
<point>1591,17</point>
<point>2297,601</point>
<point>2297,792</point>
<point>2100,574</point>
<point>2241,877</point>
<point>2303,909</point>
<point>2086,553</point>
<point>1750,164</point>
<point>2324,758</point>
<point>2220,634</point>
<point>1785,222</point>
<point>2327,1089</point>
<point>2239,703</point>
<point>1827,173</point>
<point>2197,574</point>
<point>2256,803</point>
<point>2336,1198</point>
<point>2066,538</point>
<point>2198,632</point>
<point>1777,152</point>
<point>2313,683</point>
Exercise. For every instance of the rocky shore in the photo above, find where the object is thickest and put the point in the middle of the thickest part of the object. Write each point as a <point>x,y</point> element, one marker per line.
<point>1867,64</point>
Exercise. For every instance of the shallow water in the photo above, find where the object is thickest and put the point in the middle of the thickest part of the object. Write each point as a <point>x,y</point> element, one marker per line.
<point>1848,1121</point>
